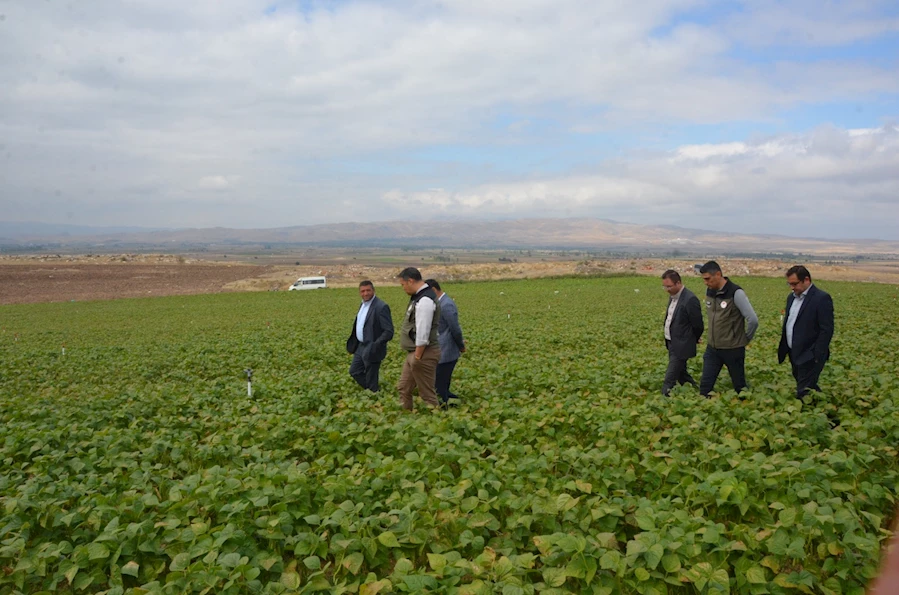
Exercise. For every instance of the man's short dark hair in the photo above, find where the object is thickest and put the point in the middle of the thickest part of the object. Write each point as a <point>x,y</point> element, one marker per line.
<point>711,267</point>
<point>672,276</point>
<point>367,283</point>
<point>800,271</point>
<point>433,283</point>
<point>410,273</point>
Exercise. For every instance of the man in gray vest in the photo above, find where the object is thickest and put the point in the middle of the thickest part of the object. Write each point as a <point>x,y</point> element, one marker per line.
<point>683,328</point>
<point>452,344</point>
<point>372,330</point>
<point>732,324</point>
<point>418,336</point>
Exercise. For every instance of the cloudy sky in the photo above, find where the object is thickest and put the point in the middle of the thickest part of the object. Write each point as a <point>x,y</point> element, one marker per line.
<point>759,116</point>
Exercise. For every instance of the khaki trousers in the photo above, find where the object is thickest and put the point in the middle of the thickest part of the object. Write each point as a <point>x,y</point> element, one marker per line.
<point>420,373</point>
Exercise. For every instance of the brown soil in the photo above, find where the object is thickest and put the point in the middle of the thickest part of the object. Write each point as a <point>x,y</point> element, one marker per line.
<point>65,280</point>
<point>36,279</point>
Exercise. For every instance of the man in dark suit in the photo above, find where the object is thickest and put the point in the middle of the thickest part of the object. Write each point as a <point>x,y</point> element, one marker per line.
<point>683,328</point>
<point>807,330</point>
<point>452,345</point>
<point>372,329</point>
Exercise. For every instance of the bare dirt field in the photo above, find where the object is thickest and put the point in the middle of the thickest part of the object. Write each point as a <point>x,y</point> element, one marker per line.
<point>34,279</point>
<point>49,281</point>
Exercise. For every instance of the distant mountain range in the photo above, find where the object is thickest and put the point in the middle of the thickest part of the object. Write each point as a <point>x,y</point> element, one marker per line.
<point>557,234</point>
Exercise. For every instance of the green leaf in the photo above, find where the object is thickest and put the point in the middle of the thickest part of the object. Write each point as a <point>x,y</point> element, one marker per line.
<point>756,575</point>
<point>291,580</point>
<point>375,587</point>
<point>132,568</point>
<point>553,576</point>
<point>180,562</point>
<point>654,555</point>
<point>720,581</point>
<point>609,560</point>
<point>388,539</point>
<point>469,504</point>
<point>437,562</point>
<point>711,535</point>
<point>403,566</point>
<point>645,519</point>
<point>671,563</point>
<point>787,517</point>
<point>312,563</point>
<point>231,560</point>
<point>97,551</point>
<point>354,562</point>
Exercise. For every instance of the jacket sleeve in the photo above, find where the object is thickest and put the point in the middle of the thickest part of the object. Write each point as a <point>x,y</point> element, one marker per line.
<point>452,317</point>
<point>752,319</point>
<point>386,323</point>
<point>694,315</point>
<point>825,327</point>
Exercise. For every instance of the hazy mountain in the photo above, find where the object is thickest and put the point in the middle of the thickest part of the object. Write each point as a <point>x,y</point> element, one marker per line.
<point>50,231</point>
<point>582,234</point>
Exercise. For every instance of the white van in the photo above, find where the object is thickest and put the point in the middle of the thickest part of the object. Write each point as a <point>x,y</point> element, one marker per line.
<point>309,283</point>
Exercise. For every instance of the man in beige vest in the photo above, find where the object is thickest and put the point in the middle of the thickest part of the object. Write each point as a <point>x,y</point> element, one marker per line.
<point>418,336</point>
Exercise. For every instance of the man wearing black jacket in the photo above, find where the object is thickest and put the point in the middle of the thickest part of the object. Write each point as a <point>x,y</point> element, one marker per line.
<point>807,330</point>
<point>372,330</point>
<point>683,328</point>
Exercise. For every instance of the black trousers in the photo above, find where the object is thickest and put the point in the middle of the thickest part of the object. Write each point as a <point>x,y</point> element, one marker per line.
<point>365,374</point>
<point>715,359</point>
<point>676,373</point>
<point>442,382</point>
<point>806,376</point>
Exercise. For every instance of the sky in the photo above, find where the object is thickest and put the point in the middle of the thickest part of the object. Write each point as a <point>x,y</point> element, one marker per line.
<point>763,116</point>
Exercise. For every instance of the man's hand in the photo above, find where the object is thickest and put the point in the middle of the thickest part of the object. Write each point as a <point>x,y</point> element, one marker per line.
<point>419,351</point>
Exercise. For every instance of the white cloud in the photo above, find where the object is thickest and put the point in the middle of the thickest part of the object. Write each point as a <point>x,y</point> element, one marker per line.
<point>109,110</point>
<point>215,182</point>
<point>822,179</point>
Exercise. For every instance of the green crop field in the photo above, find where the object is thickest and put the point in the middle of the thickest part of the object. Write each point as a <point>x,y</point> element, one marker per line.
<point>134,461</point>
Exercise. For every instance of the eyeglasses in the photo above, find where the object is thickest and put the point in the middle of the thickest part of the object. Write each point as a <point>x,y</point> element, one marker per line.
<point>794,283</point>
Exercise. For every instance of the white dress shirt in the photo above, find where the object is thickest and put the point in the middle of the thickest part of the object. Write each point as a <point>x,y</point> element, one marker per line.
<point>360,318</point>
<point>424,316</point>
<point>793,314</point>
<point>672,306</point>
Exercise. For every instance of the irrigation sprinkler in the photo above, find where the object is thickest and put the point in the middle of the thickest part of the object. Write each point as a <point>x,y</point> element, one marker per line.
<point>249,372</point>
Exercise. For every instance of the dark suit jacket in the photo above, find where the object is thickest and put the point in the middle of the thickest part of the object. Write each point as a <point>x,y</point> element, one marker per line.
<point>686,325</point>
<point>376,332</point>
<point>812,330</point>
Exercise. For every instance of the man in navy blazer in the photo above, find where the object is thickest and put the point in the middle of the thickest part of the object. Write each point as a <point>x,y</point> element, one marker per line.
<point>372,329</point>
<point>807,330</point>
<point>683,328</point>
<point>452,345</point>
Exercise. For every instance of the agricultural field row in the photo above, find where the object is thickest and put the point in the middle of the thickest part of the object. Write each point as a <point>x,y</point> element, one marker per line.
<point>133,460</point>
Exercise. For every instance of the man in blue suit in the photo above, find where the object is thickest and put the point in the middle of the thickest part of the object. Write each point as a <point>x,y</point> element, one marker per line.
<point>807,330</point>
<point>452,345</point>
<point>372,330</point>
